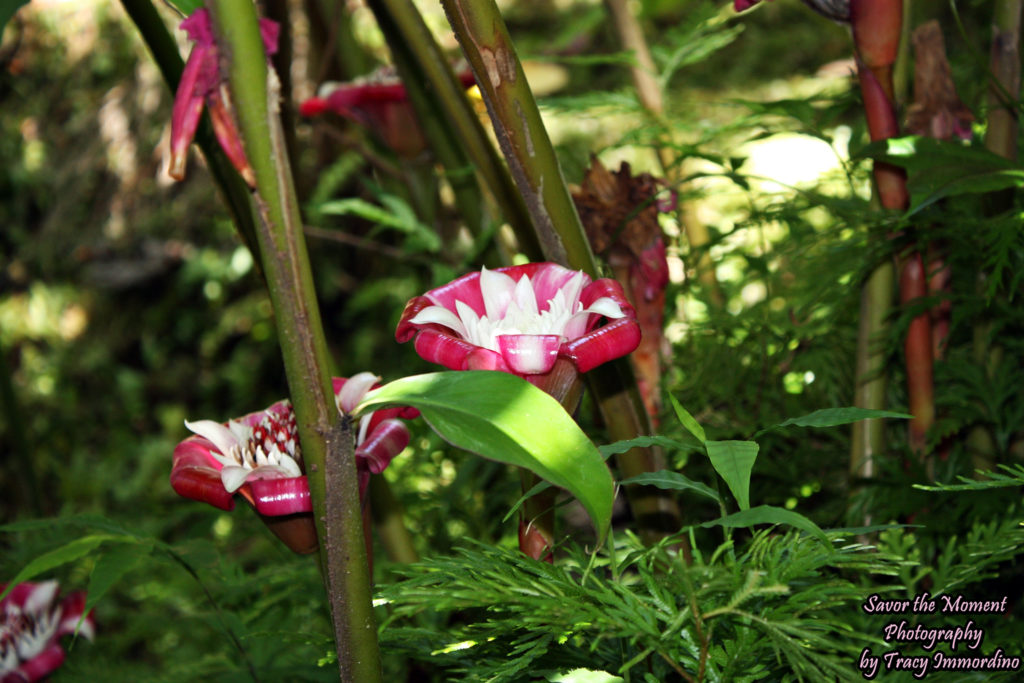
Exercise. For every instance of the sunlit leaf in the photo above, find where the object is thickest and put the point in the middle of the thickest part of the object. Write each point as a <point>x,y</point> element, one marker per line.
<point>687,420</point>
<point>769,514</point>
<point>734,460</point>
<point>672,481</point>
<point>505,418</point>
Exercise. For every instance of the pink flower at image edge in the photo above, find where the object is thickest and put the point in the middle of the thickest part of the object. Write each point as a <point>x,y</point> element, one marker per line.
<point>31,624</point>
<point>521,319</point>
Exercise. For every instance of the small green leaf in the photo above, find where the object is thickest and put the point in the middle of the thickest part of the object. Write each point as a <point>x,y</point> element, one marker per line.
<point>687,420</point>
<point>672,481</point>
<point>109,569</point>
<point>734,460</point>
<point>769,514</point>
<point>186,7</point>
<point>65,554</point>
<point>832,417</point>
<point>505,418</point>
<point>644,442</point>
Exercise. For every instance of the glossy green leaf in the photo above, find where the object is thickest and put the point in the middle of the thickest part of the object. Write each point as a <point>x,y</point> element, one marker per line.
<point>505,418</point>
<point>832,417</point>
<point>186,7</point>
<point>688,420</point>
<point>769,514</point>
<point>672,481</point>
<point>734,460</point>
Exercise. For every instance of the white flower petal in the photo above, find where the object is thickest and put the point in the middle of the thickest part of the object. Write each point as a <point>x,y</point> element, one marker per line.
<point>440,315</point>
<point>290,466</point>
<point>607,307</point>
<point>471,323</point>
<point>233,476</point>
<point>355,389</point>
<point>525,297</point>
<point>40,599</point>
<point>496,289</point>
<point>222,437</point>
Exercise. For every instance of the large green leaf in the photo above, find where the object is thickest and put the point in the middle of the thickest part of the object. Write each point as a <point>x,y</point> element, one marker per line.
<point>505,418</point>
<point>832,417</point>
<point>734,460</point>
<point>768,514</point>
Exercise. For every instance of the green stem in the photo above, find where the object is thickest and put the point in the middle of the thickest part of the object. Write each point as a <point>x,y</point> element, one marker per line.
<point>449,121</point>
<point>327,446</point>
<point>1002,126</point>
<point>481,32</point>
<point>165,54</point>
<point>389,523</point>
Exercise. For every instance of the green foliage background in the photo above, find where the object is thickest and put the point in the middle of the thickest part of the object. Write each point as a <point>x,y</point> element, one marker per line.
<point>128,304</point>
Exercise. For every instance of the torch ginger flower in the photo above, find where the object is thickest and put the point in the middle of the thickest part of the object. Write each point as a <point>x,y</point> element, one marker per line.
<point>31,624</point>
<point>202,83</point>
<point>521,319</point>
<point>259,457</point>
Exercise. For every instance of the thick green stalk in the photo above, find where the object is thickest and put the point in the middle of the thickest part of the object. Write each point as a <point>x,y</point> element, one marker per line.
<point>484,38</point>
<point>165,54</point>
<point>1002,125</point>
<point>872,378</point>
<point>327,446</point>
<point>450,122</point>
<point>389,522</point>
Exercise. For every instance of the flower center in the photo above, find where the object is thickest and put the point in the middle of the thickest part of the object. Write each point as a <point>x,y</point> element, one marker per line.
<point>268,442</point>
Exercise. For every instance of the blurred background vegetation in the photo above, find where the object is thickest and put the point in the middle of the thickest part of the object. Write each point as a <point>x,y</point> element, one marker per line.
<point>128,304</point>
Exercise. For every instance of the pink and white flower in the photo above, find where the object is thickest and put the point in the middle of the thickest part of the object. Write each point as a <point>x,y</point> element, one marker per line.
<point>521,319</point>
<point>259,457</point>
<point>31,624</point>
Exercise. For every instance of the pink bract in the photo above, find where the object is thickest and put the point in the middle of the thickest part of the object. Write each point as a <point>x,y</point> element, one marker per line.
<point>201,85</point>
<point>31,624</point>
<point>521,319</point>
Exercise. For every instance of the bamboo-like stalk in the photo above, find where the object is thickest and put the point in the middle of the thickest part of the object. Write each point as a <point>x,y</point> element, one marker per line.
<point>165,53</point>
<point>1002,122</point>
<point>484,38</point>
<point>327,446</point>
<point>876,28</point>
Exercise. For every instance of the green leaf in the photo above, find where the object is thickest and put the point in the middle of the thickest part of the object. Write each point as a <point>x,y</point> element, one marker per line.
<point>75,550</point>
<point>832,417</point>
<point>687,420</point>
<point>672,481</point>
<point>8,8</point>
<point>940,168</point>
<point>109,569</point>
<point>734,460</point>
<point>186,7</point>
<point>644,442</point>
<point>769,514</point>
<point>505,418</point>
